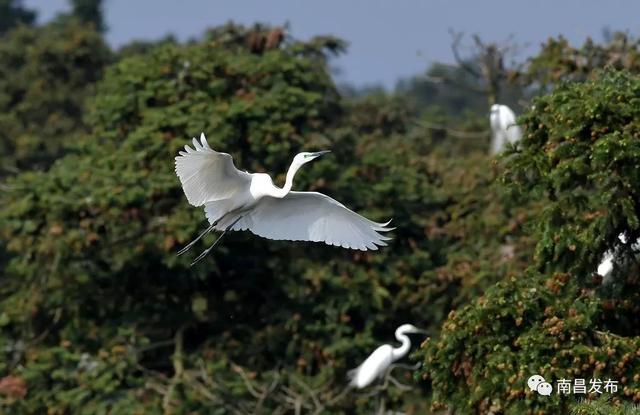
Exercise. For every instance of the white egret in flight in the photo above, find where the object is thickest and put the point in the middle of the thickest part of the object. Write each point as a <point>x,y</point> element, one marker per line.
<point>378,362</point>
<point>503,128</point>
<point>237,200</point>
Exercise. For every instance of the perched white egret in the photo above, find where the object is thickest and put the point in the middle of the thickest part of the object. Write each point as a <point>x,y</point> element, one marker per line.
<point>503,128</point>
<point>606,265</point>
<point>237,200</point>
<point>608,258</point>
<point>378,362</point>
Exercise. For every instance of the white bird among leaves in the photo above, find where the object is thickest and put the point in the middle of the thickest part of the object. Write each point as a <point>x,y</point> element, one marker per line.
<point>503,128</point>
<point>609,259</point>
<point>378,362</point>
<point>237,200</point>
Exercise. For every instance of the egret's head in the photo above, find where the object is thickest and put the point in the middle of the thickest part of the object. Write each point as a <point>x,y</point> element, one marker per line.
<point>495,109</point>
<point>409,328</point>
<point>305,157</point>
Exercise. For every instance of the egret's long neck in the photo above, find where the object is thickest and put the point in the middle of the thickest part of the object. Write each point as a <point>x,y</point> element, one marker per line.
<point>399,352</point>
<point>293,169</point>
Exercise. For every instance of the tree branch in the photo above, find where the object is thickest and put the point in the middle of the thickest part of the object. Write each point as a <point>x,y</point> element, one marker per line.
<point>178,370</point>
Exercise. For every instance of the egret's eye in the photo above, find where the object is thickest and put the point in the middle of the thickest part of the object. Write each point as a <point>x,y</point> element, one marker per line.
<point>307,156</point>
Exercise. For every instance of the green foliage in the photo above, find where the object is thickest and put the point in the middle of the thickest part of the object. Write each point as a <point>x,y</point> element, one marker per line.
<point>46,74</point>
<point>98,217</point>
<point>99,315</point>
<point>12,13</point>
<point>96,300</point>
<point>582,150</point>
<point>89,11</point>
<point>558,61</point>
<point>97,236</point>
<point>260,38</point>
<point>580,157</point>
<point>604,406</point>
<point>449,88</point>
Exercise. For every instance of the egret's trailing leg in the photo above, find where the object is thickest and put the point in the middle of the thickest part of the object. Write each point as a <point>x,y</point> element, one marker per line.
<point>206,251</point>
<point>190,244</point>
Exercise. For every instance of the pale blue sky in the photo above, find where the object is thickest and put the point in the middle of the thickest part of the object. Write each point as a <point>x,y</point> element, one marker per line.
<point>388,39</point>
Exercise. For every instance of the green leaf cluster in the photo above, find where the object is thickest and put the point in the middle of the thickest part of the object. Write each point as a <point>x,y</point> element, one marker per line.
<point>46,75</point>
<point>579,157</point>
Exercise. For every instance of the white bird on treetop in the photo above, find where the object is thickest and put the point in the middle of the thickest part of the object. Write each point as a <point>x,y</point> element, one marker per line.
<point>237,200</point>
<point>376,365</point>
<point>503,128</point>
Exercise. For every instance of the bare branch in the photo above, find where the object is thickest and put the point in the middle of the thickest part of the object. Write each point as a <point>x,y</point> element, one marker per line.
<point>455,45</point>
<point>178,370</point>
<point>250,388</point>
<point>452,132</point>
<point>156,345</point>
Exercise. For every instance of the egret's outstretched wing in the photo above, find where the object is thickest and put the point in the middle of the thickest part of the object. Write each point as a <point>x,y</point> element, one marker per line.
<point>312,216</point>
<point>373,367</point>
<point>208,175</point>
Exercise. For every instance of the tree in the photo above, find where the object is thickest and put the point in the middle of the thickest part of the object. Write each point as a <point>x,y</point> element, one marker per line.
<point>558,61</point>
<point>13,13</point>
<point>89,11</point>
<point>557,319</point>
<point>447,88</point>
<point>97,243</point>
<point>46,74</point>
<point>487,65</point>
<point>127,324</point>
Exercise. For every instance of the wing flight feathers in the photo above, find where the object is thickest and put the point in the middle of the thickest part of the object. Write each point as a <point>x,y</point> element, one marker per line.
<point>312,216</point>
<point>208,175</point>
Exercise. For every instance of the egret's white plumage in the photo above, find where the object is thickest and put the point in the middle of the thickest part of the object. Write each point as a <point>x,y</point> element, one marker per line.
<point>503,128</point>
<point>378,362</point>
<point>608,259</point>
<point>606,265</point>
<point>236,200</point>
<point>209,175</point>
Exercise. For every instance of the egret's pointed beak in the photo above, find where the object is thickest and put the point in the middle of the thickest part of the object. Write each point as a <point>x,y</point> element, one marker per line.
<point>420,331</point>
<point>320,153</point>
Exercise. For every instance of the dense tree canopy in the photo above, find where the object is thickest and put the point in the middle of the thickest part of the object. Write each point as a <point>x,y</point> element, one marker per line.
<point>46,75</point>
<point>89,11</point>
<point>558,317</point>
<point>13,13</point>
<point>109,237</point>
<point>496,258</point>
<point>559,61</point>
